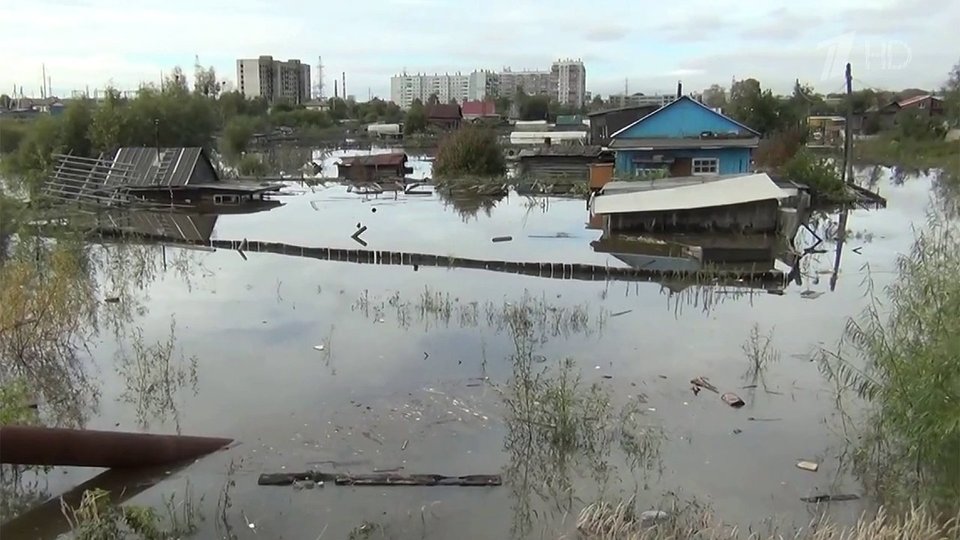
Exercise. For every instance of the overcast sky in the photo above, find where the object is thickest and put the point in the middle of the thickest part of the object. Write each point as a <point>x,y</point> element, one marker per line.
<point>891,43</point>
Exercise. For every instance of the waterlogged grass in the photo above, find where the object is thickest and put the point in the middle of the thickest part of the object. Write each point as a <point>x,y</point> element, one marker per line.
<point>96,518</point>
<point>901,357</point>
<point>624,521</point>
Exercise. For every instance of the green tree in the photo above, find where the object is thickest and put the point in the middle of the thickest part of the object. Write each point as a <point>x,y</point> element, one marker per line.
<point>715,96</point>
<point>5,101</point>
<point>416,119</point>
<point>470,151</point>
<point>205,81</point>
<point>951,93</point>
<point>534,108</point>
<point>915,125</point>
<point>75,128</point>
<point>237,134</point>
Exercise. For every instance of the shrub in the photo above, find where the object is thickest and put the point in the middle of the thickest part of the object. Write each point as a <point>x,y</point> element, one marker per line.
<point>251,165</point>
<point>470,151</point>
<point>821,175</point>
<point>237,134</point>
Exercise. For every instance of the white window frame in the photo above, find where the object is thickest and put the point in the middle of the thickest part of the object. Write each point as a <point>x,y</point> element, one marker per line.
<point>704,164</point>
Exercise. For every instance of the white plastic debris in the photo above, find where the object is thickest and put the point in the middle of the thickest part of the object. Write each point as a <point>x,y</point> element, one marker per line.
<point>318,347</point>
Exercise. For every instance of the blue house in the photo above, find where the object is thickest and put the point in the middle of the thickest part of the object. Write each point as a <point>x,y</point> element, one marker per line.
<point>685,138</point>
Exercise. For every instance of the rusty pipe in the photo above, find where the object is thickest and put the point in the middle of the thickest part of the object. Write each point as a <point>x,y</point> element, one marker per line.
<point>29,445</point>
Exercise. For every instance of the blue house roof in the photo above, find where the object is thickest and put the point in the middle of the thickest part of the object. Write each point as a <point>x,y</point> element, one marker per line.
<point>683,118</point>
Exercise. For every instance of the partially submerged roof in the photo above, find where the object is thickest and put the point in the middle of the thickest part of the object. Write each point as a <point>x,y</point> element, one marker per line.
<point>685,193</point>
<point>718,122</point>
<point>394,159</point>
<point>144,166</point>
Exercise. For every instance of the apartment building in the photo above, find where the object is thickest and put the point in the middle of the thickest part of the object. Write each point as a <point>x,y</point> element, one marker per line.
<point>274,79</point>
<point>565,81</point>
<point>641,100</point>
<point>569,78</point>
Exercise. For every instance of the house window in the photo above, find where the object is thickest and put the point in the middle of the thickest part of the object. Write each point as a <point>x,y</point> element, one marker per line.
<point>706,166</point>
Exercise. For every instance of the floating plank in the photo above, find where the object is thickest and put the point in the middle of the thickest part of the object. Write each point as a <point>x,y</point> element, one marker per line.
<point>381,479</point>
<point>29,445</point>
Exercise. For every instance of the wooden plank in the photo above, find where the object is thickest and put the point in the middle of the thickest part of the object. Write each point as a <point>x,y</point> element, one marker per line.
<point>380,479</point>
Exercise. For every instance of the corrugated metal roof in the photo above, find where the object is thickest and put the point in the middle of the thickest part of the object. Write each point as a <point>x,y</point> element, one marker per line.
<point>379,160</point>
<point>915,99</point>
<point>142,166</point>
<point>686,194</point>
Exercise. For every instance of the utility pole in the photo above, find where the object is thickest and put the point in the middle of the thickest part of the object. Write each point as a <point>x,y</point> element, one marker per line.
<point>343,87</point>
<point>846,175</point>
<point>320,78</point>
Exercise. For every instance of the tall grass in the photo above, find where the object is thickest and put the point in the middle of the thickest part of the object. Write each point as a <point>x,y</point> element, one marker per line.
<point>902,356</point>
<point>622,521</point>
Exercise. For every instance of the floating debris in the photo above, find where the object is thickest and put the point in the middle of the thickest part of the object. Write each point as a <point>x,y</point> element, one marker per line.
<point>732,400</point>
<point>811,295</point>
<point>703,382</point>
<point>830,498</point>
<point>808,466</point>
<point>318,347</point>
<point>619,313</point>
<point>502,238</point>
<point>380,479</point>
<point>112,299</point>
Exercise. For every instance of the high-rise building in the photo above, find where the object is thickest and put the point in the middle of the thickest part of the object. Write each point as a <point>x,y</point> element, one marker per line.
<point>404,88</point>
<point>565,82</point>
<point>533,82</point>
<point>273,79</point>
<point>569,77</point>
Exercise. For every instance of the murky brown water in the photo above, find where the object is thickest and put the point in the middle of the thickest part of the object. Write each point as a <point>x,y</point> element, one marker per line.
<point>429,370</point>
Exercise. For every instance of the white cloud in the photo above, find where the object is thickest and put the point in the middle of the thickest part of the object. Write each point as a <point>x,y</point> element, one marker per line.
<point>91,42</point>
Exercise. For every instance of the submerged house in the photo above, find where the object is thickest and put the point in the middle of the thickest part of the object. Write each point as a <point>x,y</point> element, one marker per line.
<point>563,161</point>
<point>374,168</point>
<point>180,174</point>
<point>683,138</point>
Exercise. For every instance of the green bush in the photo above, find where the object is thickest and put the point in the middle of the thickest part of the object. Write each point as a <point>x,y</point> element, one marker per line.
<point>237,134</point>
<point>300,118</point>
<point>470,151</point>
<point>820,174</point>
<point>251,165</point>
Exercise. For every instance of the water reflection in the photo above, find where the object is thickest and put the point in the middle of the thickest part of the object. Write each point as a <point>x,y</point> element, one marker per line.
<point>153,375</point>
<point>469,205</point>
<point>560,430</point>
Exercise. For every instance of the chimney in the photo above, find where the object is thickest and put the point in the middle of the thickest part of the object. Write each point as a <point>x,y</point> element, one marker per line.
<point>335,89</point>
<point>679,89</point>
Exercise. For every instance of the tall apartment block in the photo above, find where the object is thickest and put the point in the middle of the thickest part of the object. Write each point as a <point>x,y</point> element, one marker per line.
<point>565,81</point>
<point>570,80</point>
<point>274,79</point>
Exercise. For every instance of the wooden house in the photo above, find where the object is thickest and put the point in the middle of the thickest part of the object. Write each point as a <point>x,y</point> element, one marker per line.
<point>374,168</point>
<point>684,138</point>
<point>445,116</point>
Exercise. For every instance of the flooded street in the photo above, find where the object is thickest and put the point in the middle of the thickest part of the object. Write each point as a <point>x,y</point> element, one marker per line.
<point>349,367</point>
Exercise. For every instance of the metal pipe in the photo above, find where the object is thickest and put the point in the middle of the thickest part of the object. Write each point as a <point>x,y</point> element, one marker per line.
<point>28,445</point>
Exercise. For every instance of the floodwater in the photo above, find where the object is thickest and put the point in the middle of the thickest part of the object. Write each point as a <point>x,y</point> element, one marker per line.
<point>347,367</point>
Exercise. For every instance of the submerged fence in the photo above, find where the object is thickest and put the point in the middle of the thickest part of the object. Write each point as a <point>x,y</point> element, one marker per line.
<point>584,272</point>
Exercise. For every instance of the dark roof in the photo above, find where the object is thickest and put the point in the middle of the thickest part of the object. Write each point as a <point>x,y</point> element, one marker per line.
<point>140,166</point>
<point>479,108</point>
<point>561,150</point>
<point>645,109</point>
<point>680,100</point>
<point>444,111</point>
<point>395,159</point>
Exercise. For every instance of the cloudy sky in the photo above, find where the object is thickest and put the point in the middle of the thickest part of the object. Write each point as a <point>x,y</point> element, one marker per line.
<point>891,43</point>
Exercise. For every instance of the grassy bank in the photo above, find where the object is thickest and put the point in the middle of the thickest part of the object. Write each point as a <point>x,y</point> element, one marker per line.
<point>910,153</point>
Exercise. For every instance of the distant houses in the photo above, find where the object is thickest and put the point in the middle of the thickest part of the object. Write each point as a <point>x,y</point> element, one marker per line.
<point>479,110</point>
<point>885,117</point>
<point>683,138</point>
